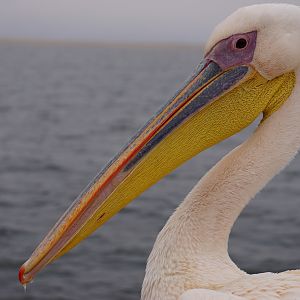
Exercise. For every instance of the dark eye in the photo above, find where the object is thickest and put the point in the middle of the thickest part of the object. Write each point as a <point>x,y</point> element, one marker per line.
<point>241,43</point>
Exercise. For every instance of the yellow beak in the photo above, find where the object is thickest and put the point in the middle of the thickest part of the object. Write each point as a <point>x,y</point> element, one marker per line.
<point>213,105</point>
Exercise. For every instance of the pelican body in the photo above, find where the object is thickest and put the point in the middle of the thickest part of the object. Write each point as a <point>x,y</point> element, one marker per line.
<point>251,67</point>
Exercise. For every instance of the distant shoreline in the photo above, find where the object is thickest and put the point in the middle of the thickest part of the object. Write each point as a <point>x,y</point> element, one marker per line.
<point>74,43</point>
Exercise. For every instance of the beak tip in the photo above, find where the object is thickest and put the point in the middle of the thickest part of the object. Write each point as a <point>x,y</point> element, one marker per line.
<point>21,274</point>
<point>22,277</point>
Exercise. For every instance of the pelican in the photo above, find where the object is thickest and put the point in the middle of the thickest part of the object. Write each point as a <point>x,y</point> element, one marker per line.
<point>251,67</point>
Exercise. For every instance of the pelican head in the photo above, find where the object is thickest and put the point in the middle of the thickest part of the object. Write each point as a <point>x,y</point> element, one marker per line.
<point>278,38</point>
<point>249,68</point>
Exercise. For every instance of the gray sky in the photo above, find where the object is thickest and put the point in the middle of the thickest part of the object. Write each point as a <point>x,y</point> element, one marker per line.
<point>116,20</point>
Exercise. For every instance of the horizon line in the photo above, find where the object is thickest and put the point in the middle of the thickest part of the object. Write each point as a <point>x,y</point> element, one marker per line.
<point>95,43</point>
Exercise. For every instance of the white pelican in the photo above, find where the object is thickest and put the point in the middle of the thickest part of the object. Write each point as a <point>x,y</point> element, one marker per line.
<point>251,66</point>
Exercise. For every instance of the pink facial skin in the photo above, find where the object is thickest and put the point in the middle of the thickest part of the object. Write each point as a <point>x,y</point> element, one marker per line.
<point>236,50</point>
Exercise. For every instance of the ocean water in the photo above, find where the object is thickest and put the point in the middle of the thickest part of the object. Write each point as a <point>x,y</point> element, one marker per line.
<point>64,112</point>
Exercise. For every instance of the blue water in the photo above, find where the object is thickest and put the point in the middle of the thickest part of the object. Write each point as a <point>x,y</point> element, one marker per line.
<point>64,112</point>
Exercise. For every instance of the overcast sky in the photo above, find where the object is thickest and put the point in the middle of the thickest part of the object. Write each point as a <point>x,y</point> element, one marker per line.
<point>116,20</point>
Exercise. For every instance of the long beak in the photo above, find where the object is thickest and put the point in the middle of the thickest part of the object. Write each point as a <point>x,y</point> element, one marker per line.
<point>209,108</point>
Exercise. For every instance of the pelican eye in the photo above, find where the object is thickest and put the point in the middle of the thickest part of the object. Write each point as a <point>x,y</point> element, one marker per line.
<point>241,43</point>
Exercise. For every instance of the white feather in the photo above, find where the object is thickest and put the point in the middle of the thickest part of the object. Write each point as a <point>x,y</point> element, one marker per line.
<point>197,294</point>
